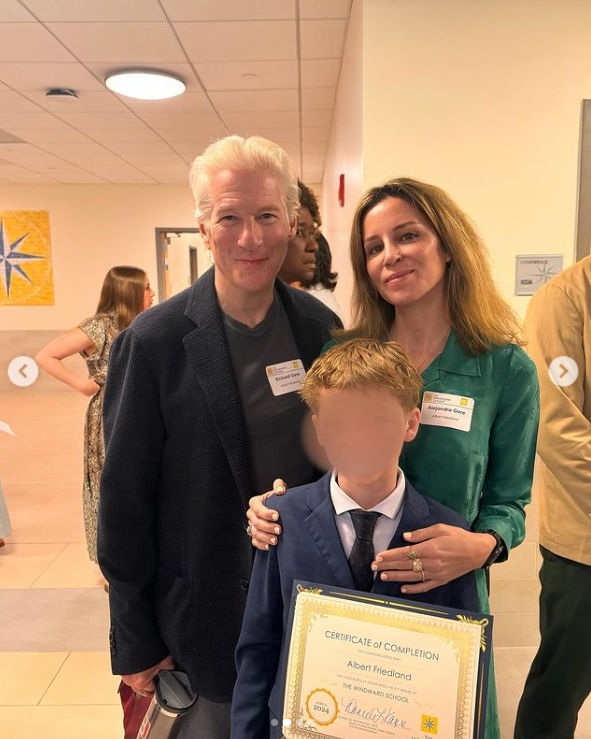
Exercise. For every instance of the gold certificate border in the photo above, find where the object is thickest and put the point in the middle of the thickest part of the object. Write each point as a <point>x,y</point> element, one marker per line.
<point>312,605</point>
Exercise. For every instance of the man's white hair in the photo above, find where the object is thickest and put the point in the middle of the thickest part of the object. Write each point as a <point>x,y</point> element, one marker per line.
<point>253,154</point>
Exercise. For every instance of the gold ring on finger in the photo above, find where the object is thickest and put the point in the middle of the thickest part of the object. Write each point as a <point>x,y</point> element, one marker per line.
<point>411,554</point>
<point>423,575</point>
<point>417,565</point>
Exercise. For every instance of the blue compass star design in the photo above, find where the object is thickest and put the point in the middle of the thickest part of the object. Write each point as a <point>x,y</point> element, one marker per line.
<point>11,259</point>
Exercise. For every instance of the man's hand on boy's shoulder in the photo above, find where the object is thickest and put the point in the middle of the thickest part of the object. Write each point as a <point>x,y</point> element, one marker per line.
<point>263,520</point>
<point>445,553</point>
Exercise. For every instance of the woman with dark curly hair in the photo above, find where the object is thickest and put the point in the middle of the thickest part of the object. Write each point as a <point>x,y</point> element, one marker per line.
<point>325,280</point>
<point>308,264</point>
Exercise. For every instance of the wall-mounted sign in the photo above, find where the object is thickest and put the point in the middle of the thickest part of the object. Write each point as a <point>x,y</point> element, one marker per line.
<point>534,270</point>
<point>26,272</point>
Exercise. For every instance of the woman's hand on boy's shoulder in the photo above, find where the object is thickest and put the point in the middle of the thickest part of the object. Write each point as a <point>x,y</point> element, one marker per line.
<point>263,521</point>
<point>445,553</point>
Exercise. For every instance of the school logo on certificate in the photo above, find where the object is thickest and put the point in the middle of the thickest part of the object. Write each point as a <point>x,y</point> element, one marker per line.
<point>429,724</point>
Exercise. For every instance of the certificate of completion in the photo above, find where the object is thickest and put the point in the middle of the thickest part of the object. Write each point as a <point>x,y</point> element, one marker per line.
<point>366,665</point>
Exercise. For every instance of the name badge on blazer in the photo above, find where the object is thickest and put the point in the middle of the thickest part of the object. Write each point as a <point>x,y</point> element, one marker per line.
<point>450,411</point>
<point>287,377</point>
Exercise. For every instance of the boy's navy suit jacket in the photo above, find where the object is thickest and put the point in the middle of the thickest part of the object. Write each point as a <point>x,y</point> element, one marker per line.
<point>310,549</point>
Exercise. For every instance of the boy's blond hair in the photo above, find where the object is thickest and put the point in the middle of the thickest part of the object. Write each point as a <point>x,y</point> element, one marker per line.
<point>364,364</point>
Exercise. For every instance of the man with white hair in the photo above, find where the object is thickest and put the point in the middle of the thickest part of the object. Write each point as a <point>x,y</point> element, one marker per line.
<point>201,411</point>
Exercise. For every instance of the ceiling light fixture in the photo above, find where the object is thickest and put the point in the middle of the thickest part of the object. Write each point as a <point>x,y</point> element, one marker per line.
<point>145,85</point>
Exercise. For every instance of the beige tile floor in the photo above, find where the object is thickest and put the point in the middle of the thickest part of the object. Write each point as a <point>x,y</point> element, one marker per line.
<point>55,680</point>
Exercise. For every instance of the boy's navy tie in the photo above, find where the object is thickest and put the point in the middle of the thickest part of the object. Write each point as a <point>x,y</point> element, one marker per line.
<point>362,554</point>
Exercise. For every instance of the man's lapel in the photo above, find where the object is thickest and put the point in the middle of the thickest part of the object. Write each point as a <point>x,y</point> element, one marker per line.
<point>207,350</point>
<point>414,516</point>
<point>323,529</point>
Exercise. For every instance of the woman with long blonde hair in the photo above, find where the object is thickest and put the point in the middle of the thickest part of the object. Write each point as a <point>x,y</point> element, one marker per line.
<point>466,293</point>
<point>422,279</point>
<point>126,292</point>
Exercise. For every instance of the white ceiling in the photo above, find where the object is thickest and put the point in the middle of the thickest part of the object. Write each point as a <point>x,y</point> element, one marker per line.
<point>266,67</point>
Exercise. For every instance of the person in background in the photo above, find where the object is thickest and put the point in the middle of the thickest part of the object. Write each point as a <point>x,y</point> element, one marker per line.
<point>325,280</point>
<point>300,261</point>
<point>558,324</point>
<point>308,264</point>
<point>126,292</point>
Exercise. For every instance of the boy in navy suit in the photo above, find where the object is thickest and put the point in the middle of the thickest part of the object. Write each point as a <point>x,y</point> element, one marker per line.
<point>363,395</point>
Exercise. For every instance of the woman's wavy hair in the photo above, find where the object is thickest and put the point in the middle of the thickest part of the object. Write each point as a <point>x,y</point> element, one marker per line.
<point>479,315</point>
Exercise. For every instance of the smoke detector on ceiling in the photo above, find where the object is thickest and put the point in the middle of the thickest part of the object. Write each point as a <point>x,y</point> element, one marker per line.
<point>62,94</point>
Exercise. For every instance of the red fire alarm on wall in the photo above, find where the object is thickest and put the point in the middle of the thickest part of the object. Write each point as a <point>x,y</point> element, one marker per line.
<point>342,190</point>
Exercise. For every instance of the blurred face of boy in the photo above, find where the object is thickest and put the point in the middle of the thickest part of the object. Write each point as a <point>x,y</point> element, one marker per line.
<point>362,431</point>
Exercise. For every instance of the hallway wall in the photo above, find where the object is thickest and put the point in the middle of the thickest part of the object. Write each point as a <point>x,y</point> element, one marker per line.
<point>346,156</point>
<point>484,100</point>
<point>93,228</point>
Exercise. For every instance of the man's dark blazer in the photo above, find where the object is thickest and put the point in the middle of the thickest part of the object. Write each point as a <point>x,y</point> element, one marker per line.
<point>175,485</point>
<point>310,549</point>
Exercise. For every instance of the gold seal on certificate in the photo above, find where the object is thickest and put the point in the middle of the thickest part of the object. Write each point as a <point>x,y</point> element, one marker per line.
<point>366,665</point>
<point>322,707</point>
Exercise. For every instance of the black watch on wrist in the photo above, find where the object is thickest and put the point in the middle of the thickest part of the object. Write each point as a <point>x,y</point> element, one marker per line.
<point>499,549</point>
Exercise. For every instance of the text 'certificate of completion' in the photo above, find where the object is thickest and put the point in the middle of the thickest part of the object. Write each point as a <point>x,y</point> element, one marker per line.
<point>366,665</point>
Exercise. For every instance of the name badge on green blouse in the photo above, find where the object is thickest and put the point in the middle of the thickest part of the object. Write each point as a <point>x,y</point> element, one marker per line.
<point>450,411</point>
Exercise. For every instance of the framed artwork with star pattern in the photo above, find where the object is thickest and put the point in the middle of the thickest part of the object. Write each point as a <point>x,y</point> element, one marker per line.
<point>26,270</point>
